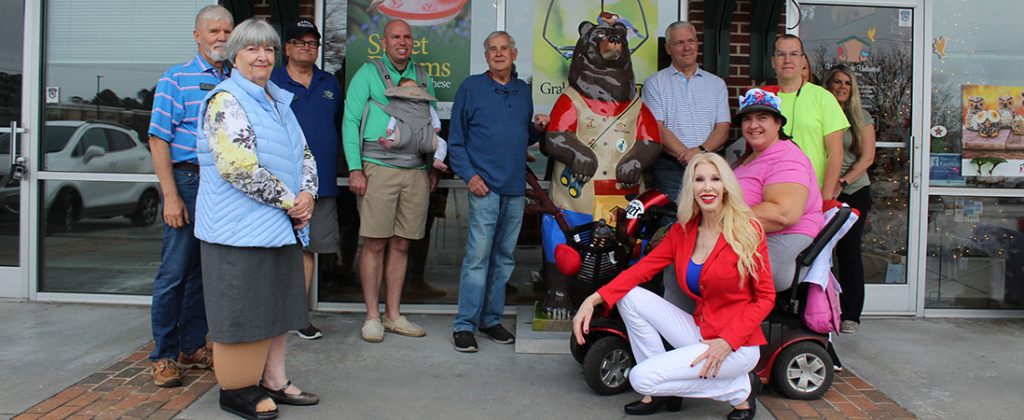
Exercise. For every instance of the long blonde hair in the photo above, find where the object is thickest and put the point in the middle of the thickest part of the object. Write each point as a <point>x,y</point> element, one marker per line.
<point>741,229</point>
<point>852,107</point>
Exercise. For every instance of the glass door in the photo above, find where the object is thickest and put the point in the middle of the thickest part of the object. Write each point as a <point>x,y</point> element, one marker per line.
<point>13,139</point>
<point>883,43</point>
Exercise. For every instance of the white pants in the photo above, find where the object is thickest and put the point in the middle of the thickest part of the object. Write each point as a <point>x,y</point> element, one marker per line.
<point>648,317</point>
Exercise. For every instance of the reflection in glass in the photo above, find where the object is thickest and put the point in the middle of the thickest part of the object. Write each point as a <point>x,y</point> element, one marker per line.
<point>104,76</point>
<point>11,35</point>
<point>85,146</point>
<point>975,253</point>
<point>103,237</point>
<point>11,28</point>
<point>10,208</point>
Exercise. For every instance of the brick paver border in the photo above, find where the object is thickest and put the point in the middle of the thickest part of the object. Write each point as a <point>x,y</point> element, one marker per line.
<point>123,390</point>
<point>850,397</point>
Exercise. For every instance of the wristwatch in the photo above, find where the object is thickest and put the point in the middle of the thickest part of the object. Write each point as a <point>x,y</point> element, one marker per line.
<point>843,183</point>
<point>702,149</point>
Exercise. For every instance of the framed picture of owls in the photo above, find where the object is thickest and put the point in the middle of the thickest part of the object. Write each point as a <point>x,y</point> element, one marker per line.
<point>993,130</point>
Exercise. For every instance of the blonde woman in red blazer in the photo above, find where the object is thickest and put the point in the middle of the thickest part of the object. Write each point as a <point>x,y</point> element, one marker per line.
<point>721,261</point>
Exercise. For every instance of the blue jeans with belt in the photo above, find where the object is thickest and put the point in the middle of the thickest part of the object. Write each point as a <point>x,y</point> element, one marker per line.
<point>494,222</point>
<point>178,312</point>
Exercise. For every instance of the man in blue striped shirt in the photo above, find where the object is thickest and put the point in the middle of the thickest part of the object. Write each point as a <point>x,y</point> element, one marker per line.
<point>178,311</point>
<point>690,105</point>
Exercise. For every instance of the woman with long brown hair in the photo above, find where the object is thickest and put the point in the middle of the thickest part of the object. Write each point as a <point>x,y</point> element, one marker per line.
<point>855,187</point>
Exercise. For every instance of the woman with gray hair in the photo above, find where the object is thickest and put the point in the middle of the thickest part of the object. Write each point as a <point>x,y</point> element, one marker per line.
<point>257,185</point>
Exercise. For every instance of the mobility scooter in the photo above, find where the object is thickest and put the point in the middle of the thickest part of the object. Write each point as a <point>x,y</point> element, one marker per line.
<point>796,359</point>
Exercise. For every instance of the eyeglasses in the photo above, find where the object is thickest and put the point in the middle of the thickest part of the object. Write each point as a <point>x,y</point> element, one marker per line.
<point>781,55</point>
<point>310,44</point>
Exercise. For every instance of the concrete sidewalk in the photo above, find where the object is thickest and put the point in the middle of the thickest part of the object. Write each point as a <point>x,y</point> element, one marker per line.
<point>401,378</point>
<point>942,368</point>
<point>945,369</point>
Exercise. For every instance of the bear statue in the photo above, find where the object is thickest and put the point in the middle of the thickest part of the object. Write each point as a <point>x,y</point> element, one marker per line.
<point>601,138</point>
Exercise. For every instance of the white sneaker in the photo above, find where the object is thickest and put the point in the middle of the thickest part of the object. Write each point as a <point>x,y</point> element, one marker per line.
<point>848,327</point>
<point>373,331</point>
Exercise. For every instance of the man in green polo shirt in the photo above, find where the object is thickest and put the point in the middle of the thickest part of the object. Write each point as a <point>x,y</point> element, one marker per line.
<point>393,191</point>
<point>813,117</point>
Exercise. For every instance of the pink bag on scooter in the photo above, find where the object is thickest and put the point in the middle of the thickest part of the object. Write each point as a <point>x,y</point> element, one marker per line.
<point>822,312</point>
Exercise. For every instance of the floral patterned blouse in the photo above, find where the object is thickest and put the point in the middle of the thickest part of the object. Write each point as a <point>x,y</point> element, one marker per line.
<point>233,147</point>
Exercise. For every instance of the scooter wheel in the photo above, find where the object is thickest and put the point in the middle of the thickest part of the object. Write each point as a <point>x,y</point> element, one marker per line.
<point>803,371</point>
<point>578,351</point>
<point>606,365</point>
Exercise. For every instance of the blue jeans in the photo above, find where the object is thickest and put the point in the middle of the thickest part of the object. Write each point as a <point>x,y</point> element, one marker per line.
<point>494,222</point>
<point>667,176</point>
<point>178,312</point>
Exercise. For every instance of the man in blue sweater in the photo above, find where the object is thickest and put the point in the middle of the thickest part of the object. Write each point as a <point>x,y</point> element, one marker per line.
<point>490,131</point>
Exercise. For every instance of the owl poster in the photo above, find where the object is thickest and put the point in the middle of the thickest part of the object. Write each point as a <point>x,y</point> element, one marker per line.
<point>993,130</point>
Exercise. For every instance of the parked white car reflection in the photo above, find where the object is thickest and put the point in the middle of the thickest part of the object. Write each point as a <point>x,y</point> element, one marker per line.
<point>98,147</point>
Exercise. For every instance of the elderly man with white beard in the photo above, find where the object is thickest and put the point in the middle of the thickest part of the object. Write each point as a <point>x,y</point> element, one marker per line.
<point>178,311</point>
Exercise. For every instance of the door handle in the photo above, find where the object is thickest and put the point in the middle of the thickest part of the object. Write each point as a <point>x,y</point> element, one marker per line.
<point>16,171</point>
<point>915,166</point>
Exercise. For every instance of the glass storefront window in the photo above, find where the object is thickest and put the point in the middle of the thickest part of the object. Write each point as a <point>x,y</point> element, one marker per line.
<point>975,255</point>
<point>100,237</point>
<point>879,48</point>
<point>977,44</point>
<point>435,263</point>
<point>976,243</point>
<point>11,31</point>
<point>104,236</point>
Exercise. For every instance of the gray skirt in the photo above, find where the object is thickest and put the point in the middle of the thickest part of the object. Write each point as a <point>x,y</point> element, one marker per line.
<point>253,294</point>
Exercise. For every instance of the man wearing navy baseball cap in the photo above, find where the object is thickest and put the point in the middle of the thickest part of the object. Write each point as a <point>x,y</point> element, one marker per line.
<point>317,105</point>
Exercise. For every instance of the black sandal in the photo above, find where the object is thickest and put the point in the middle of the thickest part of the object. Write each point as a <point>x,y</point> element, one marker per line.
<point>280,397</point>
<point>243,401</point>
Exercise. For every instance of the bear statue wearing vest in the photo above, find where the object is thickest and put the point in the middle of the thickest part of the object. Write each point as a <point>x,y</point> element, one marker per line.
<point>601,138</point>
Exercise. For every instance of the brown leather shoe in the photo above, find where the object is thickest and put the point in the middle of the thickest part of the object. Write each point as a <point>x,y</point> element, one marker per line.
<point>202,358</point>
<point>166,373</point>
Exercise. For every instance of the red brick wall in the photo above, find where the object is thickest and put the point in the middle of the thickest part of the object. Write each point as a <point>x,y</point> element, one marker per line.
<point>738,79</point>
<point>261,8</point>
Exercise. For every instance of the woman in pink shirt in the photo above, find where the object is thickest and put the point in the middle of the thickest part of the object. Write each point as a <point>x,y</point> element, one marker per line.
<point>779,183</point>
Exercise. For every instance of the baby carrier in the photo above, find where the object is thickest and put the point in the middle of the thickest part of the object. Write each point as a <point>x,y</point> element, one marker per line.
<point>411,108</point>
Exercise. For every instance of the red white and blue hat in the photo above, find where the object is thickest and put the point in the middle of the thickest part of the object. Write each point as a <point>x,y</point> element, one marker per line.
<point>759,100</point>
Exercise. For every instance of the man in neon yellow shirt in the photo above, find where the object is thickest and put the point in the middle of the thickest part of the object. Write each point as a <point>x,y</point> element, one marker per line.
<point>814,119</point>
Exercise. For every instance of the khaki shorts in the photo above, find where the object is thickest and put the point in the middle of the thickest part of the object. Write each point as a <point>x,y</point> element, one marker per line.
<point>395,203</point>
<point>324,237</point>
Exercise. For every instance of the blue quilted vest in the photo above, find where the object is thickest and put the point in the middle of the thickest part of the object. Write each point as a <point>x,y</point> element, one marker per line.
<point>226,215</point>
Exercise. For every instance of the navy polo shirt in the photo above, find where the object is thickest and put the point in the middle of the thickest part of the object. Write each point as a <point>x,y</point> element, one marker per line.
<point>318,110</point>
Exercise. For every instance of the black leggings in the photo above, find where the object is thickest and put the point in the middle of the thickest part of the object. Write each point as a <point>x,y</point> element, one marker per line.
<point>848,258</point>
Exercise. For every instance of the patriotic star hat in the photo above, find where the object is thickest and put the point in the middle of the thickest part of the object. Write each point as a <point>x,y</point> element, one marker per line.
<point>758,100</point>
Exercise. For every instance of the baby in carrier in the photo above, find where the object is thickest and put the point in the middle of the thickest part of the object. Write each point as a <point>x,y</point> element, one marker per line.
<point>412,117</point>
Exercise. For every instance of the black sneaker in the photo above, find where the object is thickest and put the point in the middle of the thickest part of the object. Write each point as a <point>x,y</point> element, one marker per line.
<point>464,341</point>
<point>499,334</point>
<point>309,333</point>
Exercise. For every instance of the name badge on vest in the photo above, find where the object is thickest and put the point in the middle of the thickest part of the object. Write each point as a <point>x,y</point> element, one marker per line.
<point>207,86</point>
